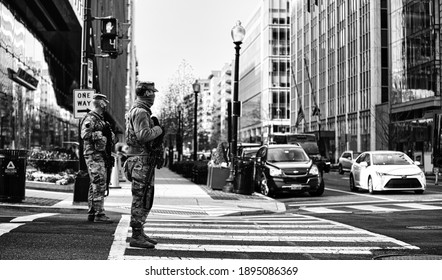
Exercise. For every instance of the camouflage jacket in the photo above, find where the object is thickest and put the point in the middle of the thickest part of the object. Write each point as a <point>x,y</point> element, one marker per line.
<point>94,140</point>
<point>140,131</point>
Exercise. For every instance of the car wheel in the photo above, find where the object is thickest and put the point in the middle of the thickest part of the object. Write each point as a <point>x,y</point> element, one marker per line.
<point>419,191</point>
<point>265,190</point>
<point>353,188</point>
<point>370,185</point>
<point>321,187</point>
<point>341,171</point>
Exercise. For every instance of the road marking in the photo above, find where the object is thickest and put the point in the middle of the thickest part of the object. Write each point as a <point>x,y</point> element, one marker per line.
<point>31,218</point>
<point>7,227</point>
<point>372,208</point>
<point>267,249</point>
<point>120,236</point>
<point>339,203</point>
<point>361,194</point>
<point>291,234</point>
<point>306,237</point>
<point>322,210</point>
<point>251,231</point>
<point>419,206</point>
<point>232,226</point>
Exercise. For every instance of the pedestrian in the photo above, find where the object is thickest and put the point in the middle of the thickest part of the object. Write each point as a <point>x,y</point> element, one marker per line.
<point>97,137</point>
<point>144,138</point>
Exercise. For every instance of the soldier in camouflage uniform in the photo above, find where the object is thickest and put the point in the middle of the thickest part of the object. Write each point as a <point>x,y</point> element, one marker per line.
<point>96,134</point>
<point>144,140</point>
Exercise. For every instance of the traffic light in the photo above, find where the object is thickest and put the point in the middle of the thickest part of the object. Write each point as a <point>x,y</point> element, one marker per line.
<point>109,36</point>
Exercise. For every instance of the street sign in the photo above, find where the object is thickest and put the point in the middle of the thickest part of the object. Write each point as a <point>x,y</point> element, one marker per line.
<point>82,102</point>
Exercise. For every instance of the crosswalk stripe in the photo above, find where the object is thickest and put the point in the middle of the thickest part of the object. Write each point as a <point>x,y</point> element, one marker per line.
<point>119,244</point>
<point>294,238</point>
<point>30,218</point>
<point>322,210</point>
<point>419,206</point>
<point>267,249</point>
<point>7,227</point>
<point>372,208</point>
<point>252,231</point>
<point>236,227</point>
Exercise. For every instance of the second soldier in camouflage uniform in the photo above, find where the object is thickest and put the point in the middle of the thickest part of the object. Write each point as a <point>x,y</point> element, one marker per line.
<point>142,134</point>
<point>93,134</point>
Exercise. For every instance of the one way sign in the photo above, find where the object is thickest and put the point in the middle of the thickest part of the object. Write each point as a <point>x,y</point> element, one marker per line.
<point>82,102</point>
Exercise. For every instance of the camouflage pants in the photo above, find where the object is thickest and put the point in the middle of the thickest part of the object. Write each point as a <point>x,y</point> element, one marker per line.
<point>97,188</point>
<point>142,173</point>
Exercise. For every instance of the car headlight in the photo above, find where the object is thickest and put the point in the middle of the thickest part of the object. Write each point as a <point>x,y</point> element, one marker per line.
<point>314,170</point>
<point>380,174</point>
<point>275,172</point>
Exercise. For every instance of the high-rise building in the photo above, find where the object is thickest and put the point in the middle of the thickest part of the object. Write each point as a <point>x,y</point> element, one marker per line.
<point>224,95</point>
<point>415,75</point>
<point>264,82</point>
<point>373,70</point>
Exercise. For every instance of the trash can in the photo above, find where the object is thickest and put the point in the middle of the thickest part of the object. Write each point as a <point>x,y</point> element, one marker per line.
<point>244,177</point>
<point>13,174</point>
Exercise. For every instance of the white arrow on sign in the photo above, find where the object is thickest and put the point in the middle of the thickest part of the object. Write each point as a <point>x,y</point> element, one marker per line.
<point>82,102</point>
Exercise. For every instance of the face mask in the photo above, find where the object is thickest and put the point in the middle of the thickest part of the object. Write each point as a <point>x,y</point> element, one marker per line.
<point>102,104</point>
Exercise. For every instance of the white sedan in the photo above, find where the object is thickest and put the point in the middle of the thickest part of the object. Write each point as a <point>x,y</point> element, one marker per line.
<point>386,170</point>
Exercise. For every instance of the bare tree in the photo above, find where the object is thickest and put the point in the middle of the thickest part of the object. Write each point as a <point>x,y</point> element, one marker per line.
<point>172,102</point>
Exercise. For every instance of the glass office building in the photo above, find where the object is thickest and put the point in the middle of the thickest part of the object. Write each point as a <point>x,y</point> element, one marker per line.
<point>372,68</point>
<point>340,64</point>
<point>415,77</point>
<point>264,86</point>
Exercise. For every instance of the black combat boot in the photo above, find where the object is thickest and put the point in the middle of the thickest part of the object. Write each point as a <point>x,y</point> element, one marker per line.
<point>102,218</point>
<point>151,240</point>
<point>138,239</point>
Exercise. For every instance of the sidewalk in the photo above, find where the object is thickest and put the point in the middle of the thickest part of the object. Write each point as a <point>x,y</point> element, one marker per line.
<point>174,195</point>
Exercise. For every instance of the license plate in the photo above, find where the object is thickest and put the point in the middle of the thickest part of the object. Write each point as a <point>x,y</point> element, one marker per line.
<point>295,187</point>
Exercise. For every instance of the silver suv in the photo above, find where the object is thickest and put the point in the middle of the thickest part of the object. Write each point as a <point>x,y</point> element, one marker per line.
<point>346,161</point>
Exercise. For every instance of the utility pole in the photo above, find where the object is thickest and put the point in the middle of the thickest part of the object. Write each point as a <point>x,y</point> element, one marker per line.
<point>81,186</point>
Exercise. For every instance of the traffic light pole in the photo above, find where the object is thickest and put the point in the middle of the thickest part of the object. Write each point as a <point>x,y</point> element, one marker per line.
<point>81,186</point>
<point>83,76</point>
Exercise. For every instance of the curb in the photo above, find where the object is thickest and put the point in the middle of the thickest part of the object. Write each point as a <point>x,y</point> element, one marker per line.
<point>45,186</point>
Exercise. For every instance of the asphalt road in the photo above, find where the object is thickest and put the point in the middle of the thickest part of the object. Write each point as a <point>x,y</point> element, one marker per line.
<point>63,236</point>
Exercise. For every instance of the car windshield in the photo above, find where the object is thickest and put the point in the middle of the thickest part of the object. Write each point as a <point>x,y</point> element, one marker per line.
<point>391,159</point>
<point>286,154</point>
<point>250,152</point>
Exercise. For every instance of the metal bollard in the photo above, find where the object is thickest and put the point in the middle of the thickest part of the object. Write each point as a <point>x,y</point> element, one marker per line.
<point>115,180</point>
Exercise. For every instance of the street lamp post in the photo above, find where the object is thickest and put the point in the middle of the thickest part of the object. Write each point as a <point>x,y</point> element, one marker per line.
<point>238,32</point>
<point>196,89</point>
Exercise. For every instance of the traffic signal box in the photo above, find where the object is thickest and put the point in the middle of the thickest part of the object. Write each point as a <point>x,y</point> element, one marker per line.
<point>109,36</point>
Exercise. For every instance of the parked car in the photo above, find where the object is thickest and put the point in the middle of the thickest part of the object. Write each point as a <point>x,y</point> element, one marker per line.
<point>386,170</point>
<point>248,150</point>
<point>286,168</point>
<point>309,143</point>
<point>346,161</point>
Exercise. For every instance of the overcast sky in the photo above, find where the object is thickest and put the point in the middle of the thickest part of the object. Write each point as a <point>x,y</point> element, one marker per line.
<point>198,31</point>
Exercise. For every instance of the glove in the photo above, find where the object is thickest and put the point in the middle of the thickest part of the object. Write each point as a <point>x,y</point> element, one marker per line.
<point>155,120</point>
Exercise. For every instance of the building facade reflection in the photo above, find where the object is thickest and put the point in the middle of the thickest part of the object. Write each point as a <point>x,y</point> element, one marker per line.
<point>30,115</point>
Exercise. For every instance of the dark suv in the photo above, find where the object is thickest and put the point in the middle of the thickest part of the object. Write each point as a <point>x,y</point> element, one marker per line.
<point>285,168</point>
